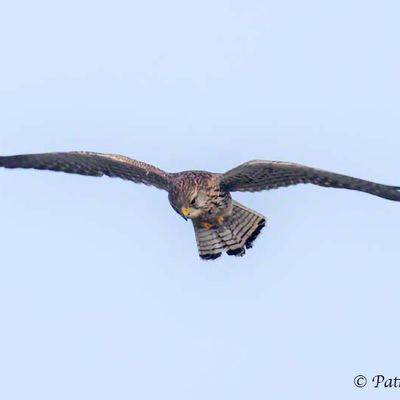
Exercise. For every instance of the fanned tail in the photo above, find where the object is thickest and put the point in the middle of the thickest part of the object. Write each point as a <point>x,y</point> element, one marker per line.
<point>236,234</point>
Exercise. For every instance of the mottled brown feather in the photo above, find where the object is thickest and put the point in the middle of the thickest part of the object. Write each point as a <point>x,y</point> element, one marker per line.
<point>260,175</point>
<point>92,164</point>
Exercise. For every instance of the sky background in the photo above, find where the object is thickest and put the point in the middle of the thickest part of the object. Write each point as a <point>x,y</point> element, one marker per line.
<point>102,293</point>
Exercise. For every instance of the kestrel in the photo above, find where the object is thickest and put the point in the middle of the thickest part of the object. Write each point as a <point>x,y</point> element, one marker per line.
<point>220,223</point>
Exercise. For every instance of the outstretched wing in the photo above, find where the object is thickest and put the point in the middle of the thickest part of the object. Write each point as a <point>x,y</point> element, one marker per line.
<point>259,175</point>
<point>92,164</point>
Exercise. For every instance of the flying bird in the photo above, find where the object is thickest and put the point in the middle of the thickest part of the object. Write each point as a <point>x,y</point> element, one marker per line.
<point>221,224</point>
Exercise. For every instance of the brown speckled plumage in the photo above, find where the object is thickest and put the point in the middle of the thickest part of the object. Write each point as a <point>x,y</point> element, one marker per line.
<point>221,224</point>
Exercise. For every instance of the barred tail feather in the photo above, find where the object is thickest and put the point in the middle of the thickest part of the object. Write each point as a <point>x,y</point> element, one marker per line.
<point>234,236</point>
<point>245,225</point>
<point>209,243</point>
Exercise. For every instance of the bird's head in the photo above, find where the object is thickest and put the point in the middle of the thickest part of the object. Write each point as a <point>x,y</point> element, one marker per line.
<point>188,198</point>
<point>189,204</point>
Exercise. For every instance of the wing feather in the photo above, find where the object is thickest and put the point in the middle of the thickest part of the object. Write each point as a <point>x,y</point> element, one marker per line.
<point>260,175</point>
<point>91,164</point>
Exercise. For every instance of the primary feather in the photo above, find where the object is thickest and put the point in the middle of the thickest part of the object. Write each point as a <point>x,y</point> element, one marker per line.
<point>260,175</point>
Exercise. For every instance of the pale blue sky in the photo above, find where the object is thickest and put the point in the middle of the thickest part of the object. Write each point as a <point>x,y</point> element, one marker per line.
<point>102,293</point>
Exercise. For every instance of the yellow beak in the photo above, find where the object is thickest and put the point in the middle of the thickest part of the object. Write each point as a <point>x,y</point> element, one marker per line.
<point>185,211</point>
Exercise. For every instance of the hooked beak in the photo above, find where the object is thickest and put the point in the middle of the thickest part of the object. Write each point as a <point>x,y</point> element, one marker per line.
<point>185,212</point>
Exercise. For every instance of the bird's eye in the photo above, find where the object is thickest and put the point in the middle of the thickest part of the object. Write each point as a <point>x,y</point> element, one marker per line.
<point>193,201</point>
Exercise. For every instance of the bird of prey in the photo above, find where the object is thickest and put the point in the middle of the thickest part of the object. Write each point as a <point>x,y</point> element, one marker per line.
<point>221,224</point>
